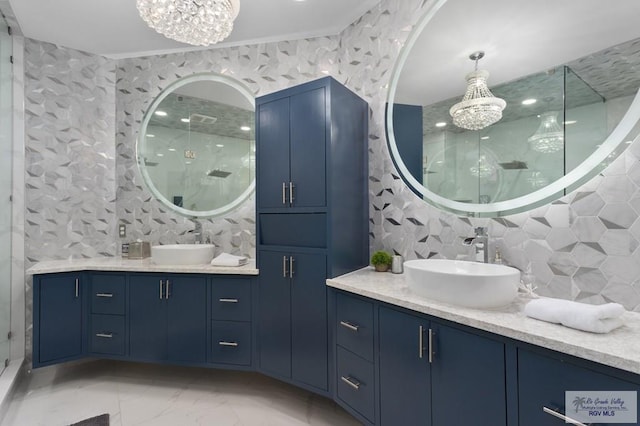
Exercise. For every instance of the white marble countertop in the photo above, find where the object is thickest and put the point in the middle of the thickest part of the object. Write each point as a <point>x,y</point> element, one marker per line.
<point>131,265</point>
<point>620,348</point>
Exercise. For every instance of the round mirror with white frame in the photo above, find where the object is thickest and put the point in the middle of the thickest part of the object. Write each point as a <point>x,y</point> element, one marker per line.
<point>568,73</point>
<point>196,148</point>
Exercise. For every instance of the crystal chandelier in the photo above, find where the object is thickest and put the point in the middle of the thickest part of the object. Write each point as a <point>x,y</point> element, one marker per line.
<point>484,168</point>
<point>537,180</point>
<point>549,137</point>
<point>196,22</point>
<point>478,108</point>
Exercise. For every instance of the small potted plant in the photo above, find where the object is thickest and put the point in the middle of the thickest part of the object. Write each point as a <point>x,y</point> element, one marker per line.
<point>381,260</point>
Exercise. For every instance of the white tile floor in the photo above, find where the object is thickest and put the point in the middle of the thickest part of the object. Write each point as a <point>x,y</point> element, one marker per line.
<point>144,394</point>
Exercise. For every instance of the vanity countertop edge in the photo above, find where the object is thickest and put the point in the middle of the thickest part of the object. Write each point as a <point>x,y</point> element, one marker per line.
<point>117,264</point>
<point>619,348</point>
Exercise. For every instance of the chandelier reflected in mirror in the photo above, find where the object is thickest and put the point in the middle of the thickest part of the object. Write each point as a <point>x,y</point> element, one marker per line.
<point>549,137</point>
<point>195,22</point>
<point>478,108</point>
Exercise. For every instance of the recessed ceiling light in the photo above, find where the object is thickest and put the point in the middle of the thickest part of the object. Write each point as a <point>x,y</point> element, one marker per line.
<point>484,138</point>
<point>245,128</point>
<point>172,149</point>
<point>160,113</point>
<point>160,154</point>
<point>185,120</point>
<point>441,124</point>
<point>629,142</point>
<point>187,162</point>
<point>530,101</point>
<point>219,145</point>
<point>570,122</point>
<point>149,135</point>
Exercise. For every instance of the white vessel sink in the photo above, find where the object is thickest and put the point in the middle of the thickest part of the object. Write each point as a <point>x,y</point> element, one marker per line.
<point>462,283</point>
<point>182,254</point>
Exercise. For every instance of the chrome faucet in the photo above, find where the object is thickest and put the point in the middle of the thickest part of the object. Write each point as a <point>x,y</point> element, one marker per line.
<point>481,243</point>
<point>197,231</point>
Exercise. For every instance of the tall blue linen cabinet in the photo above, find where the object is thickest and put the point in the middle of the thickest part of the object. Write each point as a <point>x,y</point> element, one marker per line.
<point>312,221</point>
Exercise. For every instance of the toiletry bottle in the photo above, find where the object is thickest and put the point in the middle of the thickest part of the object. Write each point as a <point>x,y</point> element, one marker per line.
<point>498,257</point>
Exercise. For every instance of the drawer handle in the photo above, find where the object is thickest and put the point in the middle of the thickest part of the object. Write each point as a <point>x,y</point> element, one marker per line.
<point>228,300</point>
<point>105,335</point>
<point>562,417</point>
<point>350,326</point>
<point>351,382</point>
<point>284,193</point>
<point>223,343</point>
<point>104,294</point>
<point>291,198</point>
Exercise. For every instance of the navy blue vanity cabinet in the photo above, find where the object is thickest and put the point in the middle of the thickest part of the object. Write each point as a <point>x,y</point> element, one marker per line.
<point>107,322</point>
<point>355,355</point>
<point>168,318</point>
<point>231,321</point>
<point>434,374</point>
<point>543,379</point>
<point>312,221</point>
<point>292,136</point>
<point>58,318</point>
<point>293,317</point>
<point>405,374</point>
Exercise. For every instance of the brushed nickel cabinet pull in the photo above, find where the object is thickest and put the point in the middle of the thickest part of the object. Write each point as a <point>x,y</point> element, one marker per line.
<point>284,266</point>
<point>77,287</point>
<point>562,417</point>
<point>291,260</point>
<point>105,335</point>
<point>161,285</point>
<point>431,346</point>
<point>223,343</point>
<point>167,293</point>
<point>109,295</point>
<point>420,342</point>
<point>291,198</point>
<point>284,193</point>
<point>347,324</point>
<point>351,382</point>
<point>228,300</point>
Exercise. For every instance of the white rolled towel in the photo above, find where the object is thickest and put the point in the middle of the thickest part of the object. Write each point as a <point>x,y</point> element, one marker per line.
<point>226,259</point>
<point>581,316</point>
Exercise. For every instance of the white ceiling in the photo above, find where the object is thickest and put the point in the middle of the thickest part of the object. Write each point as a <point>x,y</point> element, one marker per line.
<point>113,28</point>
<point>519,37</point>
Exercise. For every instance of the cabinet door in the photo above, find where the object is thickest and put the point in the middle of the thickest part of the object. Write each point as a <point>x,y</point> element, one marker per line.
<point>309,320</point>
<point>274,315</point>
<point>187,319</point>
<point>308,148</point>
<point>60,318</point>
<point>542,382</point>
<point>405,383</point>
<point>273,153</point>
<point>147,318</point>
<point>467,379</point>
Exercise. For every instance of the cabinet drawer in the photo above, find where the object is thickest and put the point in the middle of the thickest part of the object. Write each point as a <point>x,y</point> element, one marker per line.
<point>354,325</point>
<point>294,229</point>
<point>231,300</point>
<point>231,342</point>
<point>355,383</point>
<point>107,334</point>
<point>107,294</point>
<point>542,382</point>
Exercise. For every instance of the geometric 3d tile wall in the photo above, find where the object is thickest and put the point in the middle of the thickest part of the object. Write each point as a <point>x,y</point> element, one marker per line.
<point>82,176</point>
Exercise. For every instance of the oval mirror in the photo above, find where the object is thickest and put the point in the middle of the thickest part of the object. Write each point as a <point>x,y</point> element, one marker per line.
<point>196,149</point>
<point>568,72</point>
